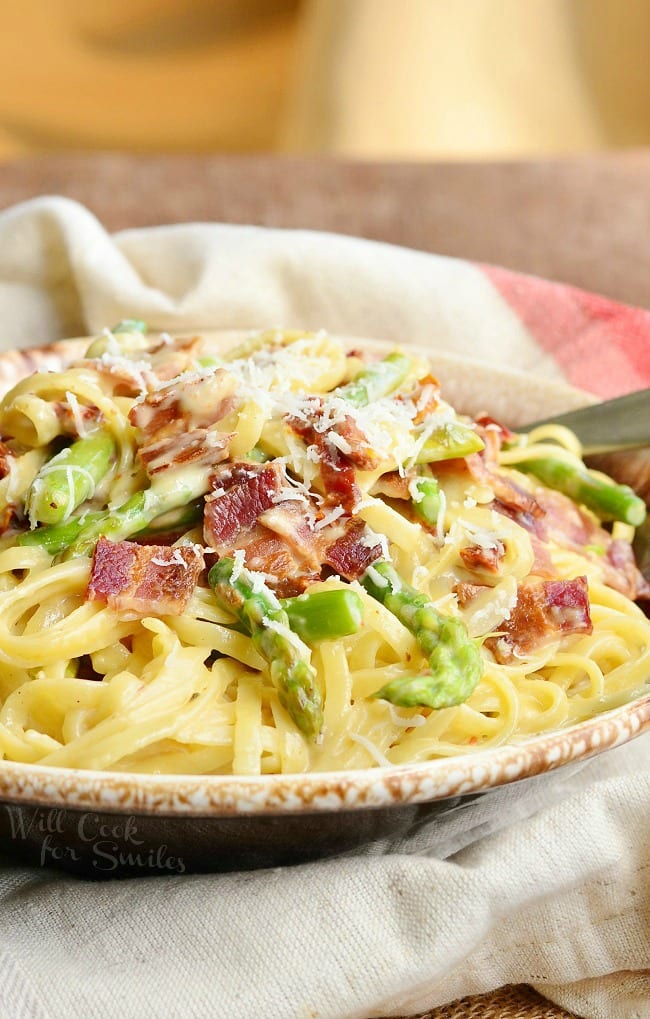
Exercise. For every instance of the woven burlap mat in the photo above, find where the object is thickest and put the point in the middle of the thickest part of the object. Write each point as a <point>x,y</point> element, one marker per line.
<point>512,1002</point>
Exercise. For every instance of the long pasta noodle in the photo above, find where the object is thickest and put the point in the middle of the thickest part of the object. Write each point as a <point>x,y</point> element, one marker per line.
<point>87,685</point>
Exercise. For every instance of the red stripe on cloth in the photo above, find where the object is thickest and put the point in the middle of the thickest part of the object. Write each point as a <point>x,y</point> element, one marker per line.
<point>599,344</point>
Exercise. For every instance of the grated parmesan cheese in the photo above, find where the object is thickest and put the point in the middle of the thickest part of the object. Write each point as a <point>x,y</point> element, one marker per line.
<point>377,755</point>
<point>329,518</point>
<point>77,415</point>
<point>239,556</point>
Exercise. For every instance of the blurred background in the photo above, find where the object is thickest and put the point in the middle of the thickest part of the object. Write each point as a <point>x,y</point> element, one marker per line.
<point>395,79</point>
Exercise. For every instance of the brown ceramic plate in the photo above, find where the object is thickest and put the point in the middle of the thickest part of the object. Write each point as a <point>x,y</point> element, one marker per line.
<point>104,824</point>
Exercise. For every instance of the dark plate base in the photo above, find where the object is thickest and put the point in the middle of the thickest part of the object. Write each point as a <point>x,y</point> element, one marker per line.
<point>105,845</point>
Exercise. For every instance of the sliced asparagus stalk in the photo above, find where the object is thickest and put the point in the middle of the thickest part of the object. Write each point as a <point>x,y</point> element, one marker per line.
<point>257,608</point>
<point>324,615</point>
<point>450,442</point>
<point>608,500</point>
<point>426,500</point>
<point>70,478</point>
<point>139,511</point>
<point>454,658</point>
<point>376,380</point>
<point>56,538</point>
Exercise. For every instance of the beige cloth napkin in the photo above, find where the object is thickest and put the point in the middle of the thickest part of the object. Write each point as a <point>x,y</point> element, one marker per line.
<point>549,888</point>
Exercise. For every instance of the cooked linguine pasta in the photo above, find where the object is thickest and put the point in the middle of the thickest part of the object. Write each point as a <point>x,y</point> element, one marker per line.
<point>296,556</point>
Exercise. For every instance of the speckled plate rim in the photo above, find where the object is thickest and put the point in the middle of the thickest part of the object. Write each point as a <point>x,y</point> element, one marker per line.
<point>471,386</point>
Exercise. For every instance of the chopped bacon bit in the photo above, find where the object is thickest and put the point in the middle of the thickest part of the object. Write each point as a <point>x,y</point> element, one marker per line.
<point>197,402</point>
<point>544,610</point>
<point>144,580</point>
<point>200,447</point>
<point>6,518</point>
<point>507,491</point>
<point>425,396</point>
<point>68,419</point>
<point>337,468</point>
<point>243,512</point>
<point>6,456</point>
<point>287,572</point>
<point>348,555</point>
<point>393,485</point>
<point>533,524</point>
<point>573,528</point>
<point>338,476</point>
<point>175,357</point>
<point>241,492</point>
<point>485,422</point>
<point>126,377</point>
<point>479,557</point>
<point>360,453</point>
<point>466,593</point>
<point>620,570</point>
<point>289,521</point>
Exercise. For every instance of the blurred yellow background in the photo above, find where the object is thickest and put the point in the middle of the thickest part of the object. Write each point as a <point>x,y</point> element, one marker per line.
<point>420,79</point>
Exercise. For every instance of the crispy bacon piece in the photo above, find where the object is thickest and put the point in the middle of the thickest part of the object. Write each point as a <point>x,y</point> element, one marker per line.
<point>337,462</point>
<point>246,511</point>
<point>8,512</point>
<point>545,609</point>
<point>144,579</point>
<point>200,447</point>
<point>425,396</point>
<point>393,485</point>
<point>178,423</point>
<point>241,492</point>
<point>480,557</point>
<point>620,570</point>
<point>507,491</point>
<point>360,452</point>
<point>488,423</point>
<point>289,521</point>
<point>68,420</point>
<point>571,527</point>
<point>170,359</point>
<point>348,555</point>
<point>197,402</point>
<point>6,456</point>
<point>338,476</point>
<point>466,593</point>
<point>288,572</point>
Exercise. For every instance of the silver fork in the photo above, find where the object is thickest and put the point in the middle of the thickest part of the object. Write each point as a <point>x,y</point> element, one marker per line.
<point>615,437</point>
<point>623,423</point>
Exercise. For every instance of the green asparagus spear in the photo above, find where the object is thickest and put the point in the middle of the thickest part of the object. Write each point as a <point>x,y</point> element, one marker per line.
<point>608,500</point>
<point>454,659</point>
<point>449,442</point>
<point>58,537</point>
<point>210,362</point>
<point>376,380</point>
<point>324,615</point>
<point>130,325</point>
<point>257,455</point>
<point>426,501</point>
<point>268,624</point>
<point>70,477</point>
<point>179,519</point>
<point>138,512</point>
<point>127,337</point>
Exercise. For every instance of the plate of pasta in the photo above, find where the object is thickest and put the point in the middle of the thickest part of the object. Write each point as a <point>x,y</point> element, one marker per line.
<point>277,593</point>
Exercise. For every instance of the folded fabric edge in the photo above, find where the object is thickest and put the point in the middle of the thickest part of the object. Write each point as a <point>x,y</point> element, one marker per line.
<point>599,343</point>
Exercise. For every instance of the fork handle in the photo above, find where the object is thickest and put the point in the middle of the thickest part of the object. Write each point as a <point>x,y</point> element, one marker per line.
<point>623,423</point>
